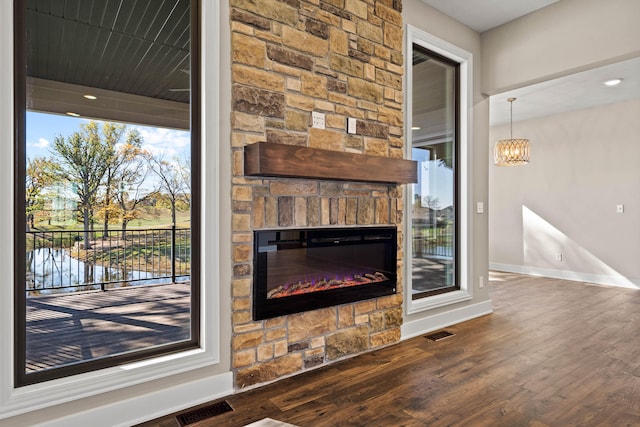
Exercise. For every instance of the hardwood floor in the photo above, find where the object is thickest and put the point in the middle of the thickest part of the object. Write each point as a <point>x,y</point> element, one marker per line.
<point>553,353</point>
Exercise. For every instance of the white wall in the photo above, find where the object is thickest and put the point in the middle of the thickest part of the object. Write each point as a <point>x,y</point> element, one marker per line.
<point>564,38</point>
<point>564,201</point>
<point>199,376</point>
<point>583,164</point>
<point>429,20</point>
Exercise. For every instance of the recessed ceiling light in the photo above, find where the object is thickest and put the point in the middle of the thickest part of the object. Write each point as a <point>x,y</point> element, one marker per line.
<point>91,97</point>
<point>613,82</point>
<point>72,114</point>
<point>416,128</point>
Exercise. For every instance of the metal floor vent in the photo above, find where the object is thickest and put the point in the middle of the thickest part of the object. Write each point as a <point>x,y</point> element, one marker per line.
<point>437,336</point>
<point>203,413</point>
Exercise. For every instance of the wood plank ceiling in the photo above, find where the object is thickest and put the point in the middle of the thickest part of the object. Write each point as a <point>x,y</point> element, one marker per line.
<point>135,47</point>
<point>429,99</point>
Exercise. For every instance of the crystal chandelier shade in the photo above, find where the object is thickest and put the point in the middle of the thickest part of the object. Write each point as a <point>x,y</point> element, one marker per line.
<point>511,152</point>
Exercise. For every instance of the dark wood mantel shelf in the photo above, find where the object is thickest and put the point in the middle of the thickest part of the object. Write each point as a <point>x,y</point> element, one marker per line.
<point>290,161</point>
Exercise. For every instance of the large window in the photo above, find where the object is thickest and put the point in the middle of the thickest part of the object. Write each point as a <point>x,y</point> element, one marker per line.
<point>107,195</point>
<point>434,204</point>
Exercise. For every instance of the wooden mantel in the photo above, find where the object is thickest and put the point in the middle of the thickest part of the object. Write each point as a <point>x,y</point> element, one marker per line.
<point>290,161</point>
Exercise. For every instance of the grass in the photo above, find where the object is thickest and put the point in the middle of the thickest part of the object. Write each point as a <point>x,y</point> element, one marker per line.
<point>153,218</point>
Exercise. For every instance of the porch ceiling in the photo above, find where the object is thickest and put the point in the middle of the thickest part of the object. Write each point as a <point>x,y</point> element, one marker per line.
<point>124,47</point>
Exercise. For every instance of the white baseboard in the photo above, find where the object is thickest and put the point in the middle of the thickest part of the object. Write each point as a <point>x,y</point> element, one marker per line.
<point>150,406</point>
<point>441,320</point>
<point>599,279</point>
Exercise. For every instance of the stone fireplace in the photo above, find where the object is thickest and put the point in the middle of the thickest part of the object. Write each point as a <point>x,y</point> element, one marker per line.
<point>305,269</point>
<point>342,58</point>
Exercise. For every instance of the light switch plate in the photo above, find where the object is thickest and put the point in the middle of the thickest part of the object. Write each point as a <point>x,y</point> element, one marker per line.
<point>620,208</point>
<point>351,125</point>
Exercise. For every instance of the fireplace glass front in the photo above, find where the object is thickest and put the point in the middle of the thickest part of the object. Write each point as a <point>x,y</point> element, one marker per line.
<point>306,269</point>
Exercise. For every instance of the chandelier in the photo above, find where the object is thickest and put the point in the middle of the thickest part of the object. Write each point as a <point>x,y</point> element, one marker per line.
<point>511,152</point>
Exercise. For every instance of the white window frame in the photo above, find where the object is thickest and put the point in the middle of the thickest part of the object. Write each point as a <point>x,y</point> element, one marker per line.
<point>15,401</point>
<point>465,59</point>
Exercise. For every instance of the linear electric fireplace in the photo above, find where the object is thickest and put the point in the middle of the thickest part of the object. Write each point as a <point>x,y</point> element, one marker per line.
<point>306,269</point>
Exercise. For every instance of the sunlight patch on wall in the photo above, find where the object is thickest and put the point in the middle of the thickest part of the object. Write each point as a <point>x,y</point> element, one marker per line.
<point>546,247</point>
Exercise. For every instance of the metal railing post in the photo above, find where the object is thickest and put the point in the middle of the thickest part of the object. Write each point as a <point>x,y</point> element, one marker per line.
<point>173,253</point>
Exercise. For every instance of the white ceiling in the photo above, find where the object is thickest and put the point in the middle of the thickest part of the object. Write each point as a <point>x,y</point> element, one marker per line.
<point>569,93</point>
<point>482,15</point>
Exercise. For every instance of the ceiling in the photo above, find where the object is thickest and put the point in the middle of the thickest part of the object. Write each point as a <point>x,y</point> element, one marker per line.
<point>126,61</point>
<point>482,15</point>
<point>429,98</point>
<point>134,47</point>
<point>568,93</point>
<point>141,48</point>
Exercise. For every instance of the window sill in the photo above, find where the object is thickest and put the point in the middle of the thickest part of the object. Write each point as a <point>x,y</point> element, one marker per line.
<point>436,301</point>
<point>54,392</point>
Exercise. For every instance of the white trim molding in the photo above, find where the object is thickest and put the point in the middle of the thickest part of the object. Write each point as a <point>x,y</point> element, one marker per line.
<point>6,193</point>
<point>575,276</point>
<point>442,320</point>
<point>156,404</point>
<point>465,59</point>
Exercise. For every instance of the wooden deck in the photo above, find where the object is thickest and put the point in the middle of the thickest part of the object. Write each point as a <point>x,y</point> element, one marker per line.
<point>72,327</point>
<point>554,353</point>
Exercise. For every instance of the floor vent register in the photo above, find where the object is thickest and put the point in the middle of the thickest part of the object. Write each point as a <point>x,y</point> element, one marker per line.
<point>203,413</point>
<point>437,336</point>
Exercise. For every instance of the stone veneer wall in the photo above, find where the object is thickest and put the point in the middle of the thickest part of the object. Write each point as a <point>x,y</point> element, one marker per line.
<point>289,58</point>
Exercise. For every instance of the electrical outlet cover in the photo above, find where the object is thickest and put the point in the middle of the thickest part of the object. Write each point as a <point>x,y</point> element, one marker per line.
<point>317,120</point>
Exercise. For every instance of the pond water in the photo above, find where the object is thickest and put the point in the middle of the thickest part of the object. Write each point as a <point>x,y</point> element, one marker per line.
<point>53,270</point>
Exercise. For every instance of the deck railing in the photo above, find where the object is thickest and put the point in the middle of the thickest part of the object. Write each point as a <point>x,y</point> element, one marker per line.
<point>61,260</point>
<point>432,241</point>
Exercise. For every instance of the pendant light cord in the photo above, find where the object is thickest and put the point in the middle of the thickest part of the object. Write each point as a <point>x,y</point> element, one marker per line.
<point>511,118</point>
<point>511,114</point>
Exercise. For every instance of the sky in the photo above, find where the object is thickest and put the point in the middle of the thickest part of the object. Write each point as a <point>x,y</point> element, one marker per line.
<point>43,128</point>
<point>434,179</point>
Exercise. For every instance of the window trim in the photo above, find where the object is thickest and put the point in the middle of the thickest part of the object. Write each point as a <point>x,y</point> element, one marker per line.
<point>21,378</point>
<point>465,60</point>
<point>456,166</point>
<point>18,400</point>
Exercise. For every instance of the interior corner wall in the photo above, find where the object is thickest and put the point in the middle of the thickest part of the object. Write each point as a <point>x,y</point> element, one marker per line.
<point>425,18</point>
<point>557,216</point>
<point>567,37</point>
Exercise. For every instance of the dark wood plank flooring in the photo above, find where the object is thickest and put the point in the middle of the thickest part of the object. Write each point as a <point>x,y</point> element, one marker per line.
<point>554,353</point>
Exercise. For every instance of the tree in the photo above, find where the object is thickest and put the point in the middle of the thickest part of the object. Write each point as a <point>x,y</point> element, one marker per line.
<point>171,182</point>
<point>83,159</point>
<point>173,187</point>
<point>38,178</point>
<point>120,155</point>
<point>132,190</point>
<point>433,204</point>
<point>184,165</point>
